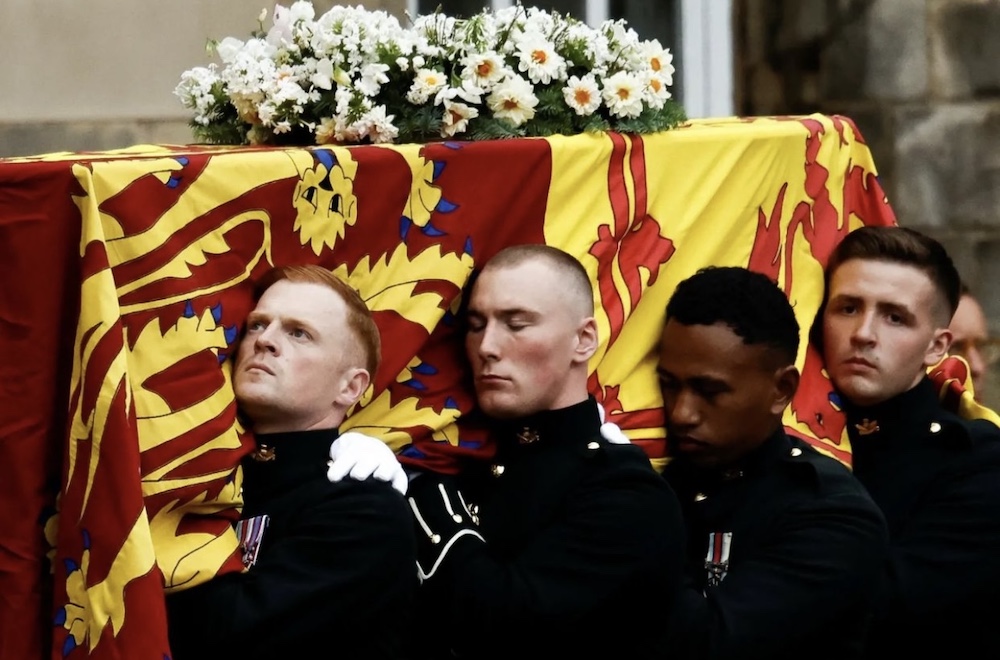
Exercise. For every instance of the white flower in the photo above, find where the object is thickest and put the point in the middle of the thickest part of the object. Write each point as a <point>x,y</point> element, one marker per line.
<point>468,92</point>
<point>539,59</point>
<point>514,100</point>
<point>345,75</point>
<point>372,78</point>
<point>656,94</point>
<point>228,49</point>
<point>425,83</point>
<point>322,77</point>
<point>623,94</point>
<point>377,126</point>
<point>660,61</point>
<point>483,69</point>
<point>456,118</point>
<point>582,94</point>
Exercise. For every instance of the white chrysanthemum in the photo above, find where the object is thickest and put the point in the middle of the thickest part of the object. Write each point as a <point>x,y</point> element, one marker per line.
<point>655,93</point>
<point>659,59</point>
<point>622,94</point>
<point>456,118</point>
<point>425,83</point>
<point>483,69</point>
<point>514,100</point>
<point>582,94</point>
<point>538,58</point>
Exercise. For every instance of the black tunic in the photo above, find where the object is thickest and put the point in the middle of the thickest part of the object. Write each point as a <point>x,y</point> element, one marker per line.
<point>805,549</point>
<point>336,568</point>
<point>936,477</point>
<point>582,553</point>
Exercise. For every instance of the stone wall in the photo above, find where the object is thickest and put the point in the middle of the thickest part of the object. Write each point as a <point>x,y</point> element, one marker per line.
<point>921,79</point>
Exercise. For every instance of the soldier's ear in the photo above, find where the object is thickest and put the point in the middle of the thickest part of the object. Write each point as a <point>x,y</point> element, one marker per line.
<point>352,386</point>
<point>938,347</point>
<point>786,383</point>
<point>586,340</point>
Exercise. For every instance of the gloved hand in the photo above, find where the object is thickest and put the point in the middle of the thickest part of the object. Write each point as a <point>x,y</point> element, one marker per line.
<point>442,517</point>
<point>611,431</point>
<point>361,456</point>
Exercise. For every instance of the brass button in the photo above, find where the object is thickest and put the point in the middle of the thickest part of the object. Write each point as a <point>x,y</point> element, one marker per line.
<point>593,445</point>
<point>497,470</point>
<point>796,451</point>
<point>935,427</point>
<point>700,497</point>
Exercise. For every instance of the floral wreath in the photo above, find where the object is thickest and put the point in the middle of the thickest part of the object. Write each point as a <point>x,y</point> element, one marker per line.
<point>354,76</point>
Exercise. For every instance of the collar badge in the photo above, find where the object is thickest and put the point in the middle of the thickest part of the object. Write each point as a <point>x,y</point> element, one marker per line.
<point>527,436</point>
<point>867,426</point>
<point>263,454</point>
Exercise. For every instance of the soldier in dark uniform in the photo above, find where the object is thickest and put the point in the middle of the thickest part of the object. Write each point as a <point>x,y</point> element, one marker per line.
<point>784,545</point>
<point>891,293</point>
<point>565,546</point>
<point>329,565</point>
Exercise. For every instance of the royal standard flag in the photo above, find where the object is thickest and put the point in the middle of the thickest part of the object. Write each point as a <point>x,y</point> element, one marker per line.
<point>126,277</point>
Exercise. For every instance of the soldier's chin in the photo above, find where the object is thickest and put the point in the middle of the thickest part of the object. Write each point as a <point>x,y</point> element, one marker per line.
<point>497,408</point>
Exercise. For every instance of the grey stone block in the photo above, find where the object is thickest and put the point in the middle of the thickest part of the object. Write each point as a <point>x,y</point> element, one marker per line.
<point>965,48</point>
<point>947,168</point>
<point>897,50</point>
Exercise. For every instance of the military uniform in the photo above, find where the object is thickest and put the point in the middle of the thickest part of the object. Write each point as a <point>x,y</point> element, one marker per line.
<point>936,478</point>
<point>335,568</point>
<point>784,549</point>
<point>565,546</point>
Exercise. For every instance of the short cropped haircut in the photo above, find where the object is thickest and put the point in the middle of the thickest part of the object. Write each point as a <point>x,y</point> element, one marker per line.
<point>901,245</point>
<point>749,303</point>
<point>359,317</point>
<point>576,281</point>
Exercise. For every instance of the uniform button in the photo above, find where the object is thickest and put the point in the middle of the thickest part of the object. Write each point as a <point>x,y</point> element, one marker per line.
<point>593,445</point>
<point>935,427</point>
<point>796,451</point>
<point>497,470</point>
<point>700,497</point>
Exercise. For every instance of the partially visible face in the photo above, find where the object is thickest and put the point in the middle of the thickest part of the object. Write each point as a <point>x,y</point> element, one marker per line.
<point>881,329</point>
<point>525,344</point>
<point>968,330</point>
<point>722,398</point>
<point>292,372</point>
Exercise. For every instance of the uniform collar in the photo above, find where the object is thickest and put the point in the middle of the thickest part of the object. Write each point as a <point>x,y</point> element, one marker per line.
<point>579,421</point>
<point>284,460</point>
<point>904,416</point>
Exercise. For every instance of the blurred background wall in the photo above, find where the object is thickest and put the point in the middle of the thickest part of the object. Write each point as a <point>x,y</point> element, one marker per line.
<point>920,77</point>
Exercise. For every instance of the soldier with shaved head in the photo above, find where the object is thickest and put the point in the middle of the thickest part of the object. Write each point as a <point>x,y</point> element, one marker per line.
<point>565,545</point>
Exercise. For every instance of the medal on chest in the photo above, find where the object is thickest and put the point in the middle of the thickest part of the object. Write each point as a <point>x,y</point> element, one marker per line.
<point>717,557</point>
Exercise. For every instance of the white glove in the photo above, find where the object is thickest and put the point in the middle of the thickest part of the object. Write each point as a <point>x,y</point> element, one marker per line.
<point>361,456</point>
<point>611,431</point>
